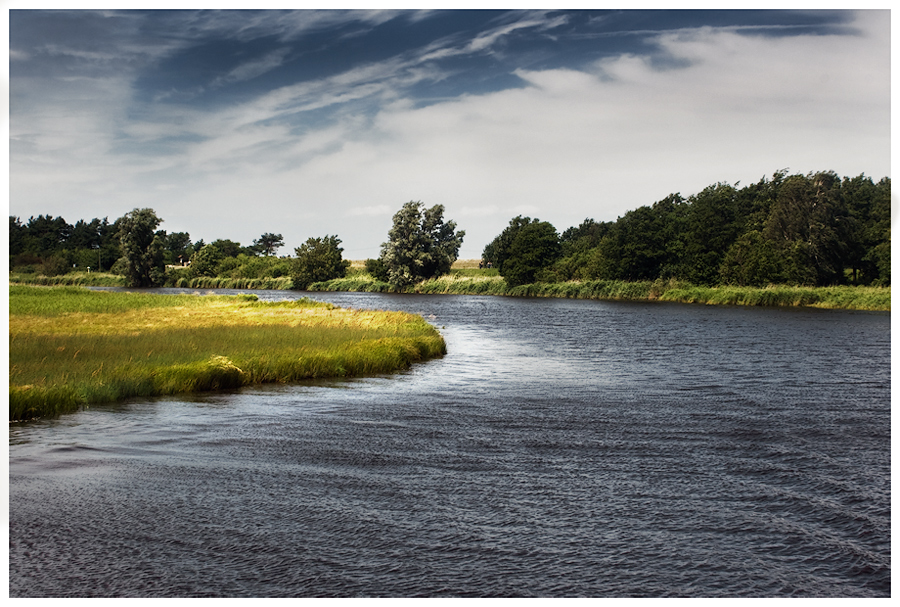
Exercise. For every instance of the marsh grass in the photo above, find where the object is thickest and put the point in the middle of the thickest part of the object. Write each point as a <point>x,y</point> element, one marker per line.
<point>220,282</point>
<point>83,279</point>
<point>73,347</point>
<point>839,297</point>
<point>487,282</point>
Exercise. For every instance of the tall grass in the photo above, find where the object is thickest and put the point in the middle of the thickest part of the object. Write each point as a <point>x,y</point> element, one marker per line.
<point>83,279</point>
<point>221,282</point>
<point>838,297</point>
<point>73,347</point>
<point>486,282</point>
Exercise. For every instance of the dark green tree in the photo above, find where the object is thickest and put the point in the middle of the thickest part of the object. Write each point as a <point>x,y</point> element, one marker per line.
<point>421,245</point>
<point>496,251</point>
<point>227,248</point>
<point>205,262</point>
<point>317,260</point>
<point>809,223</point>
<point>47,235</point>
<point>752,261</point>
<point>268,243</point>
<point>178,248</point>
<point>377,269</point>
<point>17,235</point>
<point>142,248</point>
<point>534,249</point>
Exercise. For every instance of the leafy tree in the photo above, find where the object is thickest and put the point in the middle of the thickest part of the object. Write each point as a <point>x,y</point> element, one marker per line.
<point>752,261</point>
<point>420,245</point>
<point>810,224</point>
<point>497,251</point>
<point>17,235</point>
<point>710,229</point>
<point>268,243</point>
<point>142,248</point>
<point>178,247</point>
<point>319,259</point>
<point>46,234</point>
<point>227,248</point>
<point>377,269</point>
<point>535,248</point>
<point>205,262</point>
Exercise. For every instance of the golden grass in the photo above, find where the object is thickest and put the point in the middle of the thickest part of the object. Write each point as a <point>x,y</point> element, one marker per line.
<point>60,360</point>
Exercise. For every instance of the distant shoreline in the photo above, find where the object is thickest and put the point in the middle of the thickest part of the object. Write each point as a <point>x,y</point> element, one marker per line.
<point>463,281</point>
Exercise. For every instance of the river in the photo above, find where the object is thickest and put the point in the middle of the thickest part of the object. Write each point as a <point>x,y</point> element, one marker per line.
<point>561,448</point>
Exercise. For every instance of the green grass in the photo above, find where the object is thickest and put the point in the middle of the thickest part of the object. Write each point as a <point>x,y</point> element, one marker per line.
<point>840,297</point>
<point>219,282</point>
<point>486,282</point>
<point>83,279</point>
<point>72,347</point>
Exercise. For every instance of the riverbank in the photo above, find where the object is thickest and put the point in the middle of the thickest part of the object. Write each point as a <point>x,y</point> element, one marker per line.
<point>487,282</point>
<point>838,297</point>
<point>71,347</point>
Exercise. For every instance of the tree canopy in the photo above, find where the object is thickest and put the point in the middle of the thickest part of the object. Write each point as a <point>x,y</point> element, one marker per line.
<point>420,244</point>
<point>142,248</point>
<point>318,259</point>
<point>815,229</point>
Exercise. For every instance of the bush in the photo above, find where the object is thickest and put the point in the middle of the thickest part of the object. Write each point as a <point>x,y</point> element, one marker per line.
<point>318,260</point>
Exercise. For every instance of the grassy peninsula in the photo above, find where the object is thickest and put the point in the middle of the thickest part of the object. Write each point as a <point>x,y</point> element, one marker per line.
<point>69,347</point>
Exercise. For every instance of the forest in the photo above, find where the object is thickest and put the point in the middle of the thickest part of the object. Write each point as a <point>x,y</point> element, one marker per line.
<point>816,229</point>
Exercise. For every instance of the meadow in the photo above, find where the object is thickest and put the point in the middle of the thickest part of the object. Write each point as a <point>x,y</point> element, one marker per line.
<point>70,347</point>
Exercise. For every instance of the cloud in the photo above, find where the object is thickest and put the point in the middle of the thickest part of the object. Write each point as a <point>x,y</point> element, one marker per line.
<point>254,68</point>
<point>568,144</point>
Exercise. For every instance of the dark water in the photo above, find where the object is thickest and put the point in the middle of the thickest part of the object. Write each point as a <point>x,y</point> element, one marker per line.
<point>561,448</point>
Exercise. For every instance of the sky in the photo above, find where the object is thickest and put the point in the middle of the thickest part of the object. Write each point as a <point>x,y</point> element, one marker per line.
<point>231,124</point>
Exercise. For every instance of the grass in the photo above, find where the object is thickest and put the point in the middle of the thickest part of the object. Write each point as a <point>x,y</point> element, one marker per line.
<point>72,347</point>
<point>840,297</point>
<point>84,279</point>
<point>487,282</point>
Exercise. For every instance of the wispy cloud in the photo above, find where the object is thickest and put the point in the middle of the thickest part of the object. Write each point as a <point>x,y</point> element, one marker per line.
<point>341,151</point>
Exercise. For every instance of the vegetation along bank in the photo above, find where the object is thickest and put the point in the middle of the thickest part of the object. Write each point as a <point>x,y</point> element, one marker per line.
<point>815,239</point>
<point>70,347</point>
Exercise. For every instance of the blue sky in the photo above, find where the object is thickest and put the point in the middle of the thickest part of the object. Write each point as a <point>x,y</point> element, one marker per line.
<point>313,122</point>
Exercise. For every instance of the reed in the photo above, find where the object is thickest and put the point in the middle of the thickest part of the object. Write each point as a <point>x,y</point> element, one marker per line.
<point>83,279</point>
<point>837,297</point>
<point>72,347</point>
<point>222,282</point>
<point>360,283</point>
<point>484,282</point>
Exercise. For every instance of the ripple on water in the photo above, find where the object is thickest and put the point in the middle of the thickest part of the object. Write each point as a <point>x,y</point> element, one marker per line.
<point>561,448</point>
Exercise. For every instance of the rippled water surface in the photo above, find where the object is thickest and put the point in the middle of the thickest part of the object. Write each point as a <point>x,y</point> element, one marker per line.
<point>561,448</point>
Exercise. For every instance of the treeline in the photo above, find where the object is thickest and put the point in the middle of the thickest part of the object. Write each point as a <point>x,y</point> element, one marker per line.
<point>808,230</point>
<point>816,229</point>
<point>50,246</point>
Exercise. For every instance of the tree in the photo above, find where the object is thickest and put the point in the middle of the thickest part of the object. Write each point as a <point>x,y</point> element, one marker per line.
<point>319,259</point>
<point>420,245</point>
<point>810,224</point>
<point>535,248</point>
<point>268,243</point>
<point>17,235</point>
<point>205,261</point>
<point>178,248</point>
<point>142,248</point>
<point>752,261</point>
<point>496,251</point>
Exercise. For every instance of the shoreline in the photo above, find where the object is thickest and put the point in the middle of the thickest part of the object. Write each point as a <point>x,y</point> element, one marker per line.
<point>842,297</point>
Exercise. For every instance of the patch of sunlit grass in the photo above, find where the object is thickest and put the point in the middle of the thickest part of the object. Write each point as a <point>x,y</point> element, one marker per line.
<point>77,348</point>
